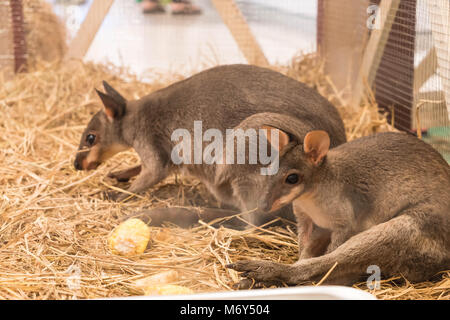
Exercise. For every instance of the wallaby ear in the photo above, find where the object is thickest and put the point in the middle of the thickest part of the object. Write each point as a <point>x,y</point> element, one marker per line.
<point>114,93</point>
<point>114,109</point>
<point>283,137</point>
<point>316,145</point>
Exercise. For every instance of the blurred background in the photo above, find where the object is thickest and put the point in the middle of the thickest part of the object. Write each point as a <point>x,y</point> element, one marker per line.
<point>164,41</point>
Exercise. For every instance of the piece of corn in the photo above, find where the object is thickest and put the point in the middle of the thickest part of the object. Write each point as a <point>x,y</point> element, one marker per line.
<point>157,279</point>
<point>129,238</point>
<point>167,289</point>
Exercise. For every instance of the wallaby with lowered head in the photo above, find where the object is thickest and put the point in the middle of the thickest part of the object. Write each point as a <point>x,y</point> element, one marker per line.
<point>381,200</point>
<point>221,97</point>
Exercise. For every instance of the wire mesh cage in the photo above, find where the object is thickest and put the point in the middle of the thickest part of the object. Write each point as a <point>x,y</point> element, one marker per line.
<point>431,112</point>
<point>400,49</point>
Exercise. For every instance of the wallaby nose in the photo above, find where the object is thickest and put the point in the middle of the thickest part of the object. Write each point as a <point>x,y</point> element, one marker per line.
<point>77,165</point>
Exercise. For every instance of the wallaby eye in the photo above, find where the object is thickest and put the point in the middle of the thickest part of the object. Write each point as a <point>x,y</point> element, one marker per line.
<point>292,178</point>
<point>90,139</point>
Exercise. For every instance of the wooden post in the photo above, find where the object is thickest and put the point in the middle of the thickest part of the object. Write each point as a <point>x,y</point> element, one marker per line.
<point>425,70</point>
<point>235,21</point>
<point>341,37</point>
<point>374,50</point>
<point>84,37</point>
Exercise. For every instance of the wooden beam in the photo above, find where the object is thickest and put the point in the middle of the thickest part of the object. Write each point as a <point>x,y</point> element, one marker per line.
<point>374,50</point>
<point>425,70</point>
<point>89,28</point>
<point>235,21</point>
<point>342,51</point>
<point>435,96</point>
<point>440,30</point>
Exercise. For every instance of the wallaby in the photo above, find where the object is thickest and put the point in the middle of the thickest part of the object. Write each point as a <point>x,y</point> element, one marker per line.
<point>381,200</point>
<point>221,98</point>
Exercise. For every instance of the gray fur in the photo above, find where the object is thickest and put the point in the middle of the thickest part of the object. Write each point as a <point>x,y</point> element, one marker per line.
<point>380,200</point>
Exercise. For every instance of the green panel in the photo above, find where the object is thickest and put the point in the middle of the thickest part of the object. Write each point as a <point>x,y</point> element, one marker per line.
<point>439,138</point>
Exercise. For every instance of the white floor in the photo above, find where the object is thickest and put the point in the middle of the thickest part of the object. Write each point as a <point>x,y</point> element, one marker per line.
<point>182,43</point>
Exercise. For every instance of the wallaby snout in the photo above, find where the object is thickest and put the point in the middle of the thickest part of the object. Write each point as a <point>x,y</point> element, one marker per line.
<point>77,165</point>
<point>82,162</point>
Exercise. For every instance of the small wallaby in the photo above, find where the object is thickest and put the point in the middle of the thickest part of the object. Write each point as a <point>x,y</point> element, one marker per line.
<point>381,200</point>
<point>221,98</point>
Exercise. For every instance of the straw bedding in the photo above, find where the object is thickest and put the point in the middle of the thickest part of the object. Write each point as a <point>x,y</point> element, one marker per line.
<point>54,223</point>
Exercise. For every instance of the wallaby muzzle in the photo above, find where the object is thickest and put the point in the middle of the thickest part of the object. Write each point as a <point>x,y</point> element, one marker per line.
<point>81,162</point>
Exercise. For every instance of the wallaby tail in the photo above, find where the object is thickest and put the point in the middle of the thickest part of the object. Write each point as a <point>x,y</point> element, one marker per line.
<point>183,217</point>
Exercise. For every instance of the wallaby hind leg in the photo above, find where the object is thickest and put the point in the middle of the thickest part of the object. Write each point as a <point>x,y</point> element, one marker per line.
<point>402,245</point>
<point>126,174</point>
<point>181,216</point>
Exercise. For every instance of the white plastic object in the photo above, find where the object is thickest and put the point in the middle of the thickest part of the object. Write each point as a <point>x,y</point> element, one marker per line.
<point>293,293</point>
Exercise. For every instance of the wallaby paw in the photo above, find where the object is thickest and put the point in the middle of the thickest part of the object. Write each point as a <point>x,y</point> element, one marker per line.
<point>113,196</point>
<point>246,284</point>
<point>261,271</point>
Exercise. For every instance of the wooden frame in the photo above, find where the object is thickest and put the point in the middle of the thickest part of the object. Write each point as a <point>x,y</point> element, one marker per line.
<point>89,28</point>
<point>342,51</point>
<point>235,21</point>
<point>374,50</point>
<point>425,70</point>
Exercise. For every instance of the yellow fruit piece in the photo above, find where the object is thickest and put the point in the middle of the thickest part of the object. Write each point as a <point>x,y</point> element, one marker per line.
<point>157,279</point>
<point>167,289</point>
<point>129,238</point>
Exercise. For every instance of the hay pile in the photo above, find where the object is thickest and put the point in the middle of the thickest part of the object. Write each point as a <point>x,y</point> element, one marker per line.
<point>44,33</point>
<point>54,225</point>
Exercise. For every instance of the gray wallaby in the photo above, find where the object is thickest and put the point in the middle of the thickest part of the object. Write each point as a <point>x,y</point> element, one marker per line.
<point>221,97</point>
<point>381,200</point>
